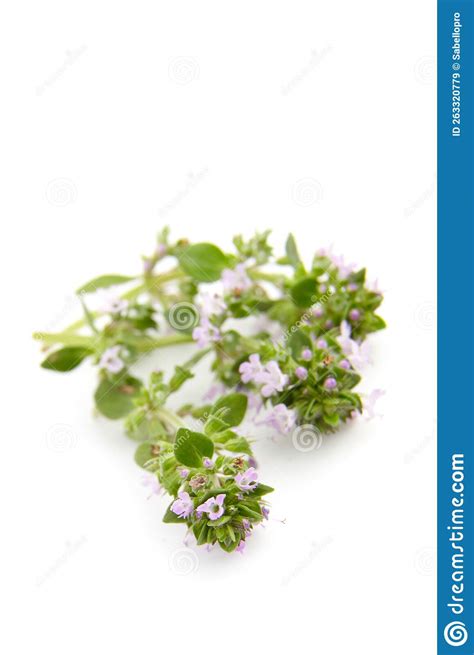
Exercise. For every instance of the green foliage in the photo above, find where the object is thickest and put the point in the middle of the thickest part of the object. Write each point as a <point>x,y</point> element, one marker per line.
<point>104,281</point>
<point>66,359</point>
<point>191,447</point>
<point>303,293</point>
<point>227,412</point>
<point>114,396</point>
<point>204,262</point>
<point>197,467</point>
<point>256,248</point>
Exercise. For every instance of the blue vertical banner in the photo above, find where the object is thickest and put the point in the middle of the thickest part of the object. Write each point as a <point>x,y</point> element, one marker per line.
<point>455,327</point>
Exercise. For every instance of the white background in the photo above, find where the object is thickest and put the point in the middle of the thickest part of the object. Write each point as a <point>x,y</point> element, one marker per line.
<point>217,118</point>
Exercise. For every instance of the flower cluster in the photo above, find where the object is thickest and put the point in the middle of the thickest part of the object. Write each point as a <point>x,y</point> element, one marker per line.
<point>285,336</point>
<point>211,475</point>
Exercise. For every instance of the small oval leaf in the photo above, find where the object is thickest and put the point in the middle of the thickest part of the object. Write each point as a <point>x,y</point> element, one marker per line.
<point>303,293</point>
<point>66,359</point>
<point>190,447</point>
<point>104,281</point>
<point>114,398</point>
<point>227,412</point>
<point>204,262</point>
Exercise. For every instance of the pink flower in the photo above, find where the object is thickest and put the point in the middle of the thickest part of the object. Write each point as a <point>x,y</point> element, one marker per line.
<point>369,403</point>
<point>214,391</point>
<point>373,286</point>
<point>325,252</point>
<point>111,361</point>
<point>211,305</point>
<point>306,354</point>
<point>247,480</point>
<point>236,280</point>
<point>330,383</point>
<point>205,333</point>
<point>151,481</point>
<point>249,371</point>
<point>344,269</point>
<point>255,401</point>
<point>301,373</point>
<point>112,304</point>
<point>214,507</point>
<point>281,418</point>
<point>273,379</point>
<point>345,340</point>
<point>357,354</point>
<point>241,547</point>
<point>354,314</point>
<point>183,505</point>
<point>317,311</point>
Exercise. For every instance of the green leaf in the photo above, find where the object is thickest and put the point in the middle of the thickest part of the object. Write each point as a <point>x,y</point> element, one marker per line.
<point>204,262</point>
<point>66,359</point>
<point>284,311</point>
<point>297,342</point>
<point>233,442</point>
<point>352,398</point>
<point>358,276</point>
<point>303,293</point>
<point>222,521</point>
<point>114,398</point>
<point>230,531</point>
<point>140,426</point>
<point>226,413</point>
<point>202,537</point>
<point>260,490</point>
<point>229,546</point>
<point>292,252</point>
<point>179,377</point>
<point>249,513</point>
<point>103,282</point>
<point>169,476</point>
<point>376,322</point>
<point>190,447</point>
<point>146,453</point>
<point>331,419</point>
